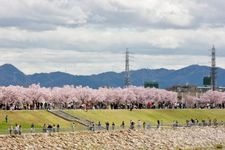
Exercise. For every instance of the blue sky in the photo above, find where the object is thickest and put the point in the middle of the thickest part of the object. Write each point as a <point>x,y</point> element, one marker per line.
<point>90,36</point>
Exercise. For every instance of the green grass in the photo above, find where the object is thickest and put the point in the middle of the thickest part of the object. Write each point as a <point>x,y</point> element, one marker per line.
<point>167,116</point>
<point>39,117</point>
<point>26,117</point>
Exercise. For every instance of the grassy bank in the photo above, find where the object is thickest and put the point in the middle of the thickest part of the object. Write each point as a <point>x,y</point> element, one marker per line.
<point>40,117</point>
<point>167,116</point>
<point>26,117</point>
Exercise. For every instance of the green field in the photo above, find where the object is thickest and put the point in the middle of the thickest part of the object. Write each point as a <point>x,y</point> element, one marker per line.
<point>40,117</point>
<point>26,117</point>
<point>165,115</point>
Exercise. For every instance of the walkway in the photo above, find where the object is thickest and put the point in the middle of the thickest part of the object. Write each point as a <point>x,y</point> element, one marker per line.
<point>71,118</point>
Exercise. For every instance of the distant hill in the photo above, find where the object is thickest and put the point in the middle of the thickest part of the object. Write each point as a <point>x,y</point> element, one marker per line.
<point>10,75</point>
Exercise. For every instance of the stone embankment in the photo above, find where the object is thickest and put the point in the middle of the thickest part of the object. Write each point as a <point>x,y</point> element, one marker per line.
<point>179,138</point>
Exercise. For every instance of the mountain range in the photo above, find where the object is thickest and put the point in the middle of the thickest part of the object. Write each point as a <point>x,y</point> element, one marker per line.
<point>192,75</point>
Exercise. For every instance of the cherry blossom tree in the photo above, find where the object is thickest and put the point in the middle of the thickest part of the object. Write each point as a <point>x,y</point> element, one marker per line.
<point>212,97</point>
<point>36,97</point>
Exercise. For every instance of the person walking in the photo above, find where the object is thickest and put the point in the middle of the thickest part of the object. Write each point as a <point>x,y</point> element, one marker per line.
<point>132,125</point>
<point>11,130</point>
<point>139,124</point>
<point>44,128</point>
<point>6,118</point>
<point>158,123</point>
<point>122,125</point>
<point>107,126</point>
<point>20,130</point>
<point>99,125</point>
<point>49,129</point>
<point>53,128</point>
<point>32,128</point>
<point>113,126</point>
<point>57,128</point>
<point>144,125</point>
<point>73,126</point>
<point>16,130</point>
<point>93,126</point>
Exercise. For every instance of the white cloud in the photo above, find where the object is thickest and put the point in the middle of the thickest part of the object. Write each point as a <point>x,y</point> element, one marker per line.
<point>154,29</point>
<point>84,63</point>
<point>151,41</point>
<point>41,14</point>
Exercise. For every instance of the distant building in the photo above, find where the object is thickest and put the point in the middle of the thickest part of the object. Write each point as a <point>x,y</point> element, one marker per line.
<point>207,81</point>
<point>185,92</point>
<point>151,84</point>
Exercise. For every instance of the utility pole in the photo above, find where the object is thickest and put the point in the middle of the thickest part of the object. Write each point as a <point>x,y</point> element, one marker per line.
<point>213,69</point>
<point>127,81</point>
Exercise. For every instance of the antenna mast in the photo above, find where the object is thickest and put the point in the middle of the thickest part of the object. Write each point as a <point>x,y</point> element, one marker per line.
<point>213,69</point>
<point>127,69</point>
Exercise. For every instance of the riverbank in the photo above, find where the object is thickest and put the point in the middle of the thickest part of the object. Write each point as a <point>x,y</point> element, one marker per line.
<point>179,138</point>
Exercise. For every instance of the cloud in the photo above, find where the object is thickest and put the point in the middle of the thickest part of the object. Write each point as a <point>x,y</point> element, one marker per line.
<point>151,41</point>
<point>153,28</point>
<point>40,14</point>
<point>84,63</point>
<point>49,14</point>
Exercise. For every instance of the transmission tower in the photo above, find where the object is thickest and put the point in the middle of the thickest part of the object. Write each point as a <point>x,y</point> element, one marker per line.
<point>213,69</point>
<point>127,69</point>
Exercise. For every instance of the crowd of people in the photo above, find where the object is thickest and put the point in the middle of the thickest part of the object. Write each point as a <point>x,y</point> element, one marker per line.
<point>17,129</point>
<point>147,125</point>
<point>49,128</point>
<point>207,122</point>
<point>140,125</point>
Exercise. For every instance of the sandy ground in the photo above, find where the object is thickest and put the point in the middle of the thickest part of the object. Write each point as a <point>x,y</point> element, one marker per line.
<point>179,138</point>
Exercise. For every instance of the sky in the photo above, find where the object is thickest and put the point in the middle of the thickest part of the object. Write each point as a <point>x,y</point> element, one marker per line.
<point>85,37</point>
